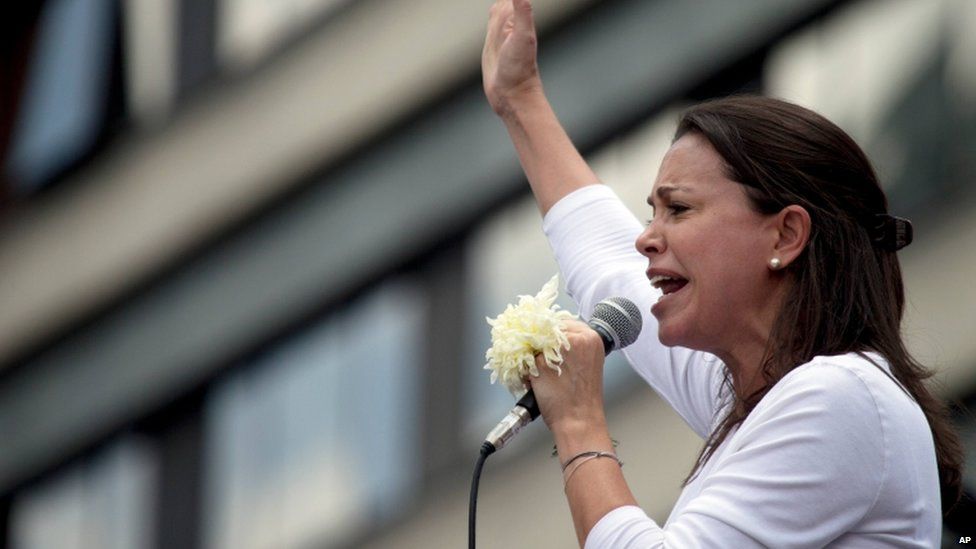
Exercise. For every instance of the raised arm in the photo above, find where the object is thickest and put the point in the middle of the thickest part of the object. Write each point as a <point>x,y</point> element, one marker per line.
<point>512,84</point>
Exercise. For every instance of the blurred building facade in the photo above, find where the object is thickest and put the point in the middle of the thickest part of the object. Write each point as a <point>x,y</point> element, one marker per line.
<point>247,248</point>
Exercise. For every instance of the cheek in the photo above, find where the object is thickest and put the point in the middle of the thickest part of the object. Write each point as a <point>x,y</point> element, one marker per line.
<point>728,268</point>
<point>740,242</point>
<point>721,254</point>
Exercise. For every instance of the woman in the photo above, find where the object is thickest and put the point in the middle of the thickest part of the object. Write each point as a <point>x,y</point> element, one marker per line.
<point>770,270</point>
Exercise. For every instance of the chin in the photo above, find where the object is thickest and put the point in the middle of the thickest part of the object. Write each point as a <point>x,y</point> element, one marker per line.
<point>680,334</point>
<point>669,336</point>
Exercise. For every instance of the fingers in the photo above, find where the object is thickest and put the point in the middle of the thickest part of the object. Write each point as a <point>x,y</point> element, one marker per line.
<point>499,16</point>
<point>540,364</point>
<point>524,22</point>
<point>508,16</point>
<point>577,393</point>
<point>584,345</point>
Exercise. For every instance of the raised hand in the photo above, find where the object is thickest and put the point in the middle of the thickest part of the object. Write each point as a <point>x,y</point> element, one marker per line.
<point>510,75</point>
<point>508,61</point>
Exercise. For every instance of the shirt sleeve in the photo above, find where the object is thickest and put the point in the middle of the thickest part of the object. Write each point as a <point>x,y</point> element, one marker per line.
<point>804,468</point>
<point>627,526</point>
<point>593,237</point>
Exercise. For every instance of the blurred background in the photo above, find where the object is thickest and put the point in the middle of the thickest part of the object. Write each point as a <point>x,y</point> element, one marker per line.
<point>247,249</point>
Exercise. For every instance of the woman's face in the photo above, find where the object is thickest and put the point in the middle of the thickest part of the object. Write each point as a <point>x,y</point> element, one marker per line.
<point>709,250</point>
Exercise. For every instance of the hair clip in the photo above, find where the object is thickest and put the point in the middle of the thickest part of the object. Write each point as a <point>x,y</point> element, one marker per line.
<point>892,233</point>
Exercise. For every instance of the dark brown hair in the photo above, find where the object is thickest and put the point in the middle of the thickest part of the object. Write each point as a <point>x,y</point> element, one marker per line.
<point>846,293</point>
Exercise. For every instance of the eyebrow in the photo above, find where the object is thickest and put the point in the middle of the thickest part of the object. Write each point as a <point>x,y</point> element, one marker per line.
<point>663,192</point>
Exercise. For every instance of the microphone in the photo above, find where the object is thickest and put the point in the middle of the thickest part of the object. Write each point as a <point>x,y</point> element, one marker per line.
<point>617,320</point>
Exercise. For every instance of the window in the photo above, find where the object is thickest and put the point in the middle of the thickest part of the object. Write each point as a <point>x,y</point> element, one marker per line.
<point>105,502</point>
<point>315,442</point>
<point>66,100</point>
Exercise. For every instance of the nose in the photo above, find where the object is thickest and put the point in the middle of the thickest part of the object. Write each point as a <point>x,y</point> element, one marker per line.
<point>650,241</point>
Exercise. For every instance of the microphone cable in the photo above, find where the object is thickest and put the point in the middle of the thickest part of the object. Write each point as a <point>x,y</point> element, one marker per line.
<point>487,449</point>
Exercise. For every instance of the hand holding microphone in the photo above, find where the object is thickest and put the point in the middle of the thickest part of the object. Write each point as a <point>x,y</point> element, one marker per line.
<point>617,323</point>
<point>573,397</point>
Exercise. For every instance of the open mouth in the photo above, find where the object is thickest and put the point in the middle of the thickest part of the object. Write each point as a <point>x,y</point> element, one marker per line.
<point>668,284</point>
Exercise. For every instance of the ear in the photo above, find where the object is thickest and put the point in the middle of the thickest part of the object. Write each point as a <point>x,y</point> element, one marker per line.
<point>792,225</point>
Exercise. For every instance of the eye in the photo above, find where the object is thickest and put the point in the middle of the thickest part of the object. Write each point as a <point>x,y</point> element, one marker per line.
<point>648,221</point>
<point>677,209</point>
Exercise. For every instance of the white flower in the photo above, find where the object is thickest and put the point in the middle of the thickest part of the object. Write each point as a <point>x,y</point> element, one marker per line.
<point>524,330</point>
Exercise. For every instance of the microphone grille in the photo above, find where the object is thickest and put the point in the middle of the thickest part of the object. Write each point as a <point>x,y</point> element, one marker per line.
<point>621,318</point>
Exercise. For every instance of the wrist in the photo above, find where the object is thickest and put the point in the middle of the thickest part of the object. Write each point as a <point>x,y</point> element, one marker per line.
<point>515,103</point>
<point>573,437</point>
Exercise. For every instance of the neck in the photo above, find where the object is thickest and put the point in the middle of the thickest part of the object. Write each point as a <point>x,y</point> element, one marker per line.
<point>744,361</point>
<point>744,354</point>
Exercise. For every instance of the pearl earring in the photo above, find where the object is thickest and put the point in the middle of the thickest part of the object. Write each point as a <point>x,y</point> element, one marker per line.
<point>775,263</point>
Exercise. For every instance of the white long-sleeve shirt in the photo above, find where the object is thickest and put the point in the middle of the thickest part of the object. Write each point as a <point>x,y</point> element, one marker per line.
<point>837,453</point>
